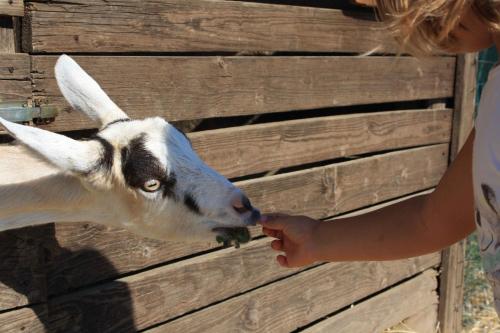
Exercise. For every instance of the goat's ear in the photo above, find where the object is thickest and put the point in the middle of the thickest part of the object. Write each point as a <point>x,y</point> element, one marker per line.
<point>84,94</point>
<point>63,152</point>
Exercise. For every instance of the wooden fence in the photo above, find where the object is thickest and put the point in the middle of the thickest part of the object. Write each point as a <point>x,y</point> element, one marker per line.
<point>276,98</point>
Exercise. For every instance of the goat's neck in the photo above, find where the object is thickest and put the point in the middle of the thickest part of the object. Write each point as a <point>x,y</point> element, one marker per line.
<point>32,192</point>
<point>55,198</point>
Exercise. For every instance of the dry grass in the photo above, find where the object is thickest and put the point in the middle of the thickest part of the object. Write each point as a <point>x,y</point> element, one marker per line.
<point>479,313</point>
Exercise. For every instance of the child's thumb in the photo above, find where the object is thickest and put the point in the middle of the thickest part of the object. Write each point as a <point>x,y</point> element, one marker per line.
<point>272,221</point>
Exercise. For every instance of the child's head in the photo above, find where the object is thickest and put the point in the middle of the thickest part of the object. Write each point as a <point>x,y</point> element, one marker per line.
<point>427,26</point>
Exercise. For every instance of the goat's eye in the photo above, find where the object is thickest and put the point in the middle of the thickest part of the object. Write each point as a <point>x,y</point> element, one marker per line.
<point>151,185</point>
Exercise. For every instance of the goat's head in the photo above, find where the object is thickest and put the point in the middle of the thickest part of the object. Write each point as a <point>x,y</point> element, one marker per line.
<point>145,172</point>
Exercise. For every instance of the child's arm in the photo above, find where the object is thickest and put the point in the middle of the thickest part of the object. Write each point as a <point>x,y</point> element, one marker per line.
<point>414,227</point>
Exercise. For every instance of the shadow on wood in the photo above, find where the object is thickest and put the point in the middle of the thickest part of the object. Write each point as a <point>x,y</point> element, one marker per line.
<point>26,275</point>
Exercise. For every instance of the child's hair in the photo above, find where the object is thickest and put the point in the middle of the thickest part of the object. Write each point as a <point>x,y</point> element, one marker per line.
<point>423,27</point>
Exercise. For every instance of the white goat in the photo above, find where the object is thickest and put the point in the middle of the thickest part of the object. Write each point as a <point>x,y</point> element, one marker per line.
<point>142,175</point>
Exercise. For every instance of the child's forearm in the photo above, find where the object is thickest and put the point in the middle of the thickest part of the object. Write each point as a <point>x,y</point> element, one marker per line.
<point>385,234</point>
<point>410,228</point>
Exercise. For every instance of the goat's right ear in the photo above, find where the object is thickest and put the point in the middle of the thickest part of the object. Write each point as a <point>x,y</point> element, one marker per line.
<point>63,152</point>
<point>84,94</point>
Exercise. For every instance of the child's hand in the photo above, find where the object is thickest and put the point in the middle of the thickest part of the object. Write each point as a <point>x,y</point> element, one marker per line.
<point>295,236</point>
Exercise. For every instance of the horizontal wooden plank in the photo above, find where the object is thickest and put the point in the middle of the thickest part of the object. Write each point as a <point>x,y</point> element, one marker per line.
<point>375,179</point>
<point>29,320</point>
<point>294,302</point>
<point>168,291</point>
<point>15,90</point>
<point>386,309</point>
<point>14,66</point>
<point>197,25</point>
<point>12,7</point>
<point>180,88</point>
<point>15,81</point>
<point>252,149</point>
<point>327,191</point>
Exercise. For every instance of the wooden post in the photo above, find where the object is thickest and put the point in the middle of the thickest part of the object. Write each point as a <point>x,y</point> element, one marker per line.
<point>452,266</point>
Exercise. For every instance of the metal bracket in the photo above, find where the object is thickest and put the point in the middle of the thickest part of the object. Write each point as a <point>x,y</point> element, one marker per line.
<point>20,112</point>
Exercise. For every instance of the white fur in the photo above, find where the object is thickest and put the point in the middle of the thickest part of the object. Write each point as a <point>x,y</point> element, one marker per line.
<point>65,153</point>
<point>78,191</point>
<point>83,93</point>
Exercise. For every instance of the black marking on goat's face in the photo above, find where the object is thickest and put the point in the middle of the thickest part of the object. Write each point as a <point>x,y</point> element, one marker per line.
<point>191,204</point>
<point>105,162</point>
<point>139,165</point>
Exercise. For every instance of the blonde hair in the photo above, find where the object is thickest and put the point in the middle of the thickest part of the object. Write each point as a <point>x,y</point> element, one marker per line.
<point>423,27</point>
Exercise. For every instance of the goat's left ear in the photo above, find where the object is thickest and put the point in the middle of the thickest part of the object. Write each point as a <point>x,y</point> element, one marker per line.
<point>63,152</point>
<point>84,93</point>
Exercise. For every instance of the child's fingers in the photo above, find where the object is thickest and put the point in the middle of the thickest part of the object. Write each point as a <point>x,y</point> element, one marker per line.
<point>270,232</point>
<point>274,221</point>
<point>282,261</point>
<point>277,245</point>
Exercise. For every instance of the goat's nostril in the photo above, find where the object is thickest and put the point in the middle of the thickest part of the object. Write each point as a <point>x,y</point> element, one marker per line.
<point>246,203</point>
<point>243,205</point>
<point>240,210</point>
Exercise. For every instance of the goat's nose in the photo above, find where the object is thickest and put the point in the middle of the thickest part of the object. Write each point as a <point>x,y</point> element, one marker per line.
<point>241,204</point>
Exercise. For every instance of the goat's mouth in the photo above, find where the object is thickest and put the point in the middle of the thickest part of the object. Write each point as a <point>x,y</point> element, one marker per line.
<point>238,235</point>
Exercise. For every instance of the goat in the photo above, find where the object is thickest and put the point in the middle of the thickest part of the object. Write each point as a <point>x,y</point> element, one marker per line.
<point>141,175</point>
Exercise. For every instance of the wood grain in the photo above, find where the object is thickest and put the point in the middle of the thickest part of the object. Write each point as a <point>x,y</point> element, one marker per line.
<point>253,149</point>
<point>14,77</point>
<point>180,88</point>
<point>12,7</point>
<point>426,321</point>
<point>169,291</point>
<point>194,25</point>
<point>386,309</point>
<point>327,191</point>
<point>289,304</point>
<point>14,66</point>
<point>30,320</point>
<point>318,192</point>
<point>15,90</point>
<point>7,39</point>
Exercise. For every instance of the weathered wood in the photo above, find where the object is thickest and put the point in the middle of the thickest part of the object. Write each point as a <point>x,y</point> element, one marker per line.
<point>180,88</point>
<point>327,191</point>
<point>465,101</point>
<point>14,77</point>
<point>289,304</point>
<point>425,321</point>
<point>14,66</point>
<point>168,291</point>
<point>318,192</point>
<point>196,25</point>
<point>252,149</point>
<point>451,287</point>
<point>7,36</point>
<point>15,90</point>
<point>386,309</point>
<point>22,268</point>
<point>12,7</point>
<point>29,320</point>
